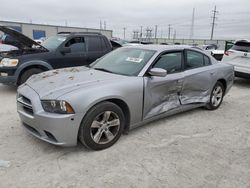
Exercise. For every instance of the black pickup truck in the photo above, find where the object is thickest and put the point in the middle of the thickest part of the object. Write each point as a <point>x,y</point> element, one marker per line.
<point>66,49</point>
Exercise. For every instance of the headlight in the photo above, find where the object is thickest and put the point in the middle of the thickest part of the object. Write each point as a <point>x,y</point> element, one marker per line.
<point>56,106</point>
<point>7,62</point>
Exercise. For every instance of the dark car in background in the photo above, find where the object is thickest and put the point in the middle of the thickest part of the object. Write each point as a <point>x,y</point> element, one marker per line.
<point>66,49</point>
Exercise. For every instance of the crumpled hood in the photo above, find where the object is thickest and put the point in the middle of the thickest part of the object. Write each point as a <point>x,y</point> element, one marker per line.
<point>55,83</point>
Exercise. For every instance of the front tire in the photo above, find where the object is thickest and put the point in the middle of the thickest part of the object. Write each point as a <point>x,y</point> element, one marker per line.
<point>102,126</point>
<point>28,73</point>
<point>216,96</point>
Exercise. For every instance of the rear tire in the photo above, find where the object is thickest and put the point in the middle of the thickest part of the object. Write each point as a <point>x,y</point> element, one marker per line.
<point>102,126</point>
<point>28,73</point>
<point>216,96</point>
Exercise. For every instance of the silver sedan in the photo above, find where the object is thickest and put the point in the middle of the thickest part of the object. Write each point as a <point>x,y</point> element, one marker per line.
<point>124,89</point>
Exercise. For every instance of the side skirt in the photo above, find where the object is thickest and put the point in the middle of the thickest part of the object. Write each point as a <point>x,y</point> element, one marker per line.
<point>180,109</point>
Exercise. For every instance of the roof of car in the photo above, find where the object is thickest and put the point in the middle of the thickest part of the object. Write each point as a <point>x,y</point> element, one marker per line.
<point>158,47</point>
<point>77,33</point>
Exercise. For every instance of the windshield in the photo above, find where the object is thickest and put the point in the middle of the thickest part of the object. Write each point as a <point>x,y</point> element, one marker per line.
<point>125,61</point>
<point>53,42</point>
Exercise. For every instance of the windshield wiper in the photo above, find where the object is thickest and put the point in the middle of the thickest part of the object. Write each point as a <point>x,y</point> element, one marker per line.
<point>102,69</point>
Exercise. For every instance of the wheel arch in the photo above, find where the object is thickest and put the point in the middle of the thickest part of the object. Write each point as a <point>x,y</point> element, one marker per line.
<point>119,102</point>
<point>124,107</point>
<point>224,83</point>
<point>32,64</point>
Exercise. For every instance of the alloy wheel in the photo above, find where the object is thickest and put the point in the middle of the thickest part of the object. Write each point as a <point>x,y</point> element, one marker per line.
<point>217,96</point>
<point>105,127</point>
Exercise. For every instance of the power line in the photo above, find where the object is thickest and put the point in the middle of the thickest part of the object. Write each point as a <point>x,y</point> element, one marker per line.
<point>213,23</point>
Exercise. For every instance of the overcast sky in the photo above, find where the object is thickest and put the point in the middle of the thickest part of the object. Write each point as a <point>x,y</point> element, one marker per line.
<point>233,17</point>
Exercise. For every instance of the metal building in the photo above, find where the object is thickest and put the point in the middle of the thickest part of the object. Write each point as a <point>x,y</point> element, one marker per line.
<point>36,31</point>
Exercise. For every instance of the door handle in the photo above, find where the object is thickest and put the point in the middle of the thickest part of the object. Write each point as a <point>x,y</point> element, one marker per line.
<point>179,81</point>
<point>212,73</point>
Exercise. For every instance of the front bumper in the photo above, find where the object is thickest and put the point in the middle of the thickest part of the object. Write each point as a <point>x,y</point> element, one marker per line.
<point>57,129</point>
<point>7,75</point>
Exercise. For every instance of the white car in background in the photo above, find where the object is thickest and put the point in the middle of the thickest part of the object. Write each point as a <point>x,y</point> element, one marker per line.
<point>7,47</point>
<point>239,56</point>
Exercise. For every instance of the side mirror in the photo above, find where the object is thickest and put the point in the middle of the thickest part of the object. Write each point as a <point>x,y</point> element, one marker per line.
<point>158,72</point>
<point>65,50</point>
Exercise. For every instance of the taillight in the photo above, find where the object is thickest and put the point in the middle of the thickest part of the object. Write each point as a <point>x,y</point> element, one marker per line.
<point>227,53</point>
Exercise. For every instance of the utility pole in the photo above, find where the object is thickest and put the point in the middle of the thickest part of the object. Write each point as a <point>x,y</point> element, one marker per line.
<point>100,25</point>
<point>156,41</point>
<point>156,31</point>
<point>124,33</point>
<point>192,26</point>
<point>169,30</point>
<point>213,23</point>
<point>141,34</point>
<point>174,34</point>
<point>104,25</point>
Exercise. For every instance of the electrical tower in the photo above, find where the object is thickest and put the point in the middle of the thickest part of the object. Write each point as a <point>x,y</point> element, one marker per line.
<point>148,34</point>
<point>136,34</point>
<point>213,22</point>
<point>192,26</point>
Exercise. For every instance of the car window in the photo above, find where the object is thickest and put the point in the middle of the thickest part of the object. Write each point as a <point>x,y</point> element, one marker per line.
<point>124,61</point>
<point>206,61</point>
<point>94,44</point>
<point>193,59</point>
<point>241,46</point>
<point>76,44</point>
<point>53,42</point>
<point>104,44</point>
<point>171,62</point>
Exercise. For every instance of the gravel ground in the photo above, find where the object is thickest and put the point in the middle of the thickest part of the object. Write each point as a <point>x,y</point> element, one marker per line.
<point>198,148</point>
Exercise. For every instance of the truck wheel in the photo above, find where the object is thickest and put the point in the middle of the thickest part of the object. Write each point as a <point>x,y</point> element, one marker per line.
<point>28,73</point>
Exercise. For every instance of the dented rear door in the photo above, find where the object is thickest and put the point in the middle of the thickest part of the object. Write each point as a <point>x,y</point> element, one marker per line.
<point>198,78</point>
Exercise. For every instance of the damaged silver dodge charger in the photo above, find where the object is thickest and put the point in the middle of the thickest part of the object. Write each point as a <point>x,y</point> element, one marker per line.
<point>124,89</point>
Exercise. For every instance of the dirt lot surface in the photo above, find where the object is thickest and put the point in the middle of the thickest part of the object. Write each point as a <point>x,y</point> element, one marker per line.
<point>198,148</point>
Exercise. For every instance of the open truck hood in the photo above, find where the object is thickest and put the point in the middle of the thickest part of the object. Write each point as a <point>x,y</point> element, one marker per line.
<point>25,41</point>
